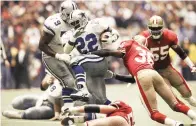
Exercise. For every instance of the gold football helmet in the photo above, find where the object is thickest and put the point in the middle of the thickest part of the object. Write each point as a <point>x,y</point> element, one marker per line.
<point>155,25</point>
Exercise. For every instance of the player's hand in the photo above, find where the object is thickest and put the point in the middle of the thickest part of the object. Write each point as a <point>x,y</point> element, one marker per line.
<point>50,80</point>
<point>193,69</point>
<point>55,118</point>
<point>109,74</point>
<point>64,113</point>
<point>7,64</point>
<point>64,57</point>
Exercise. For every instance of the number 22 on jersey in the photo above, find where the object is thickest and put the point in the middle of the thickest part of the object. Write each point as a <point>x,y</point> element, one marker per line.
<point>87,44</point>
<point>144,56</point>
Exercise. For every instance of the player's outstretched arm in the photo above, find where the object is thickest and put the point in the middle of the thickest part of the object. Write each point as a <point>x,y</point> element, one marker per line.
<point>184,57</point>
<point>105,109</point>
<point>107,52</point>
<point>124,78</point>
<point>43,44</point>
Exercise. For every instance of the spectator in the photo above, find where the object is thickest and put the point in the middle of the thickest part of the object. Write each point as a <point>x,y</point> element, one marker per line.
<point>21,69</point>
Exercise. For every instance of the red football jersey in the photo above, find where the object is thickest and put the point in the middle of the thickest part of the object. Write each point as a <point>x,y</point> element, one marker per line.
<point>136,57</point>
<point>122,110</point>
<point>160,49</point>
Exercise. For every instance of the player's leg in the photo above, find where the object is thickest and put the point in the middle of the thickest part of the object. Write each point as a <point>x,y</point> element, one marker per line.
<point>95,72</point>
<point>94,67</point>
<point>145,80</point>
<point>177,81</point>
<point>165,92</point>
<point>42,112</point>
<point>61,71</point>
<point>24,101</point>
<point>168,83</point>
<point>108,121</point>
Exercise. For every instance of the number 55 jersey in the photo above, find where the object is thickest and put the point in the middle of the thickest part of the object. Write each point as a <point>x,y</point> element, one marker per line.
<point>137,57</point>
<point>160,49</point>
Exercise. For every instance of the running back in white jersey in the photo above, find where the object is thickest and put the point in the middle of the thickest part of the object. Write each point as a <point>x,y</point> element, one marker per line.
<point>87,39</point>
<point>54,25</point>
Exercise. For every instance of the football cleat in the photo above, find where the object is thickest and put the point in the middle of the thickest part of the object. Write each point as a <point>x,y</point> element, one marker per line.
<point>70,120</point>
<point>178,124</point>
<point>193,123</point>
<point>191,101</point>
<point>82,95</point>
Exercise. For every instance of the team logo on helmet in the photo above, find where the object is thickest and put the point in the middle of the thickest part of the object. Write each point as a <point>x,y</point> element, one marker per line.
<point>155,26</point>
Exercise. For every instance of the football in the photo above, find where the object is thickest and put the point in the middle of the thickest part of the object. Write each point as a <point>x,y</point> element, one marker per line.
<point>105,37</point>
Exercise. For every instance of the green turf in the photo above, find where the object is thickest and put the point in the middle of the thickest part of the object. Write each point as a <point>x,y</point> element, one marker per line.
<point>115,92</point>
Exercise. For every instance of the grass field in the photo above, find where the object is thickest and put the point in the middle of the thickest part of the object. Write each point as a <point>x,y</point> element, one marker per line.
<point>115,92</point>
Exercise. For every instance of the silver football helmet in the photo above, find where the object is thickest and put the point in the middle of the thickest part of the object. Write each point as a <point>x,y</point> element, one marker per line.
<point>66,8</point>
<point>78,18</point>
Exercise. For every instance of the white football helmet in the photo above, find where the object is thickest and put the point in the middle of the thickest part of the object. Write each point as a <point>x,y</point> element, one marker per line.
<point>66,8</point>
<point>78,18</point>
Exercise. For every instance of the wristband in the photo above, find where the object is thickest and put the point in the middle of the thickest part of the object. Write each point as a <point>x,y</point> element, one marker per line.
<point>189,62</point>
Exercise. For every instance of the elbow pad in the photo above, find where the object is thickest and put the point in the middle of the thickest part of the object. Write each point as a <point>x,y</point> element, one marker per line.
<point>180,52</point>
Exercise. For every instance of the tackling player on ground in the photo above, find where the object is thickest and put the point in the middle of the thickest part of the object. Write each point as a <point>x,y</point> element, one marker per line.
<point>117,113</point>
<point>159,41</point>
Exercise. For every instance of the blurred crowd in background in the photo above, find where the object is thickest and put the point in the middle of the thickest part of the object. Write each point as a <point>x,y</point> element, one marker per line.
<point>21,28</point>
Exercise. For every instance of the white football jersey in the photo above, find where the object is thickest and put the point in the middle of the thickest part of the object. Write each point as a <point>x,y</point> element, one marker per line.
<point>87,39</point>
<point>53,92</point>
<point>54,25</point>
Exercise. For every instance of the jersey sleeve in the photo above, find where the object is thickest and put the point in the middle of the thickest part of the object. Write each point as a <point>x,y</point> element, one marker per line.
<point>100,26</point>
<point>145,33</point>
<point>121,106</point>
<point>66,37</point>
<point>172,37</point>
<point>48,26</point>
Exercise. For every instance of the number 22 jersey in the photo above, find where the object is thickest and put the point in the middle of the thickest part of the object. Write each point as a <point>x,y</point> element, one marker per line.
<point>136,57</point>
<point>87,39</point>
<point>160,49</point>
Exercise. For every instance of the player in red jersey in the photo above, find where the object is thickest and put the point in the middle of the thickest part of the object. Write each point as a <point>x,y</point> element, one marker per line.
<point>138,60</point>
<point>159,41</point>
<point>117,113</point>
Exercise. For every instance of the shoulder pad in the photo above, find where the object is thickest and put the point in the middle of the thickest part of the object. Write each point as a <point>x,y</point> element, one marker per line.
<point>145,33</point>
<point>52,23</point>
<point>170,34</point>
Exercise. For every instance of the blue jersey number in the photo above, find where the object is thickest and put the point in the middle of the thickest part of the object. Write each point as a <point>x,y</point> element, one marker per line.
<point>91,46</point>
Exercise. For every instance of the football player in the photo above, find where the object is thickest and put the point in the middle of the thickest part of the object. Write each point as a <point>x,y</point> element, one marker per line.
<point>50,44</point>
<point>139,62</point>
<point>117,113</point>
<point>86,38</point>
<point>159,41</point>
<point>36,106</point>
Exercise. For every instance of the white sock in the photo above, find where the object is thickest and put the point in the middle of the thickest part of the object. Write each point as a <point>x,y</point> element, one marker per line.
<point>169,122</point>
<point>191,114</point>
<point>68,104</point>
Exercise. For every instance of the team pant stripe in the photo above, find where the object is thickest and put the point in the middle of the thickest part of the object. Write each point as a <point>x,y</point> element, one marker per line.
<point>90,60</point>
<point>48,68</point>
<point>184,81</point>
<point>144,96</point>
